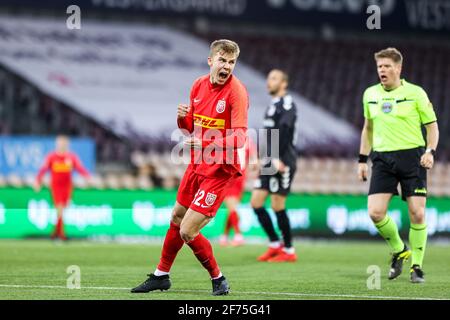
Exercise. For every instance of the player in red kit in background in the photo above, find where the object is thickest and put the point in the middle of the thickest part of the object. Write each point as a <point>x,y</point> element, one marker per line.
<point>216,123</point>
<point>61,163</point>
<point>234,196</point>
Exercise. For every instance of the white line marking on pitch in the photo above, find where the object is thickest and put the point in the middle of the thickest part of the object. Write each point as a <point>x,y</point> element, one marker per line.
<point>293,294</point>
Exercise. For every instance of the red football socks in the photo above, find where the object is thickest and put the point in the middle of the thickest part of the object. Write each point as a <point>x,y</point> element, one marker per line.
<point>200,246</point>
<point>234,218</point>
<point>172,244</point>
<point>228,225</point>
<point>59,228</point>
<point>232,223</point>
<point>204,253</point>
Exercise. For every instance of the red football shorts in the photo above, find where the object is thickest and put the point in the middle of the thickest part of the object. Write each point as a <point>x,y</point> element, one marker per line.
<point>236,188</point>
<point>201,193</point>
<point>61,195</point>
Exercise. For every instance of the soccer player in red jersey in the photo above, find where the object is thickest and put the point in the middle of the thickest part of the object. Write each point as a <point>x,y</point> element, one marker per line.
<point>234,196</point>
<point>215,123</point>
<point>61,163</point>
<point>232,200</point>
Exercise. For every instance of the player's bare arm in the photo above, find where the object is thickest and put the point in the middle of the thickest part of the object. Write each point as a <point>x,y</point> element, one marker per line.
<point>364,149</point>
<point>427,159</point>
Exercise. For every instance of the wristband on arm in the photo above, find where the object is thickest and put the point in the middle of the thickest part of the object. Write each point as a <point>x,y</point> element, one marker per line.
<point>363,158</point>
<point>432,151</point>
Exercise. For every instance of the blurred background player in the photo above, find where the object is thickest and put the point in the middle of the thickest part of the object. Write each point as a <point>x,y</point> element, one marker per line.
<point>395,112</point>
<point>234,196</point>
<point>218,101</point>
<point>61,163</point>
<point>281,115</point>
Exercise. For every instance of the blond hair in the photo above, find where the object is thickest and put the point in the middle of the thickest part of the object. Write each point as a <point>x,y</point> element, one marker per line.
<point>225,46</point>
<point>391,53</point>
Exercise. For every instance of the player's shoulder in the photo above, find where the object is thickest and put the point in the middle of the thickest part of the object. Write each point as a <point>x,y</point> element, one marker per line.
<point>237,84</point>
<point>237,90</point>
<point>413,88</point>
<point>51,155</point>
<point>373,88</point>
<point>200,80</point>
<point>288,103</point>
<point>373,92</point>
<point>70,154</point>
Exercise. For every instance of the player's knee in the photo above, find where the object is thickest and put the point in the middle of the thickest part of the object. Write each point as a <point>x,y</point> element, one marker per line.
<point>231,206</point>
<point>256,203</point>
<point>184,237</point>
<point>278,203</point>
<point>186,234</point>
<point>377,213</point>
<point>276,207</point>
<point>178,215</point>
<point>417,215</point>
<point>176,218</point>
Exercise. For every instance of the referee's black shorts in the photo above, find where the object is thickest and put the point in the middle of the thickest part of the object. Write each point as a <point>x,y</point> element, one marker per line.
<point>390,168</point>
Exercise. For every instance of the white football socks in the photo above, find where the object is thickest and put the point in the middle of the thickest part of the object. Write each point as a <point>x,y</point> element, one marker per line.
<point>290,250</point>
<point>274,244</point>
<point>220,274</point>
<point>159,273</point>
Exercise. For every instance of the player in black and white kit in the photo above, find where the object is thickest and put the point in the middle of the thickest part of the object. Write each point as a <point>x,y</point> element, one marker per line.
<point>277,170</point>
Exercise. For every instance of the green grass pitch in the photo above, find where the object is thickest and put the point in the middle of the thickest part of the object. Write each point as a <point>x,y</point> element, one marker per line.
<point>36,269</point>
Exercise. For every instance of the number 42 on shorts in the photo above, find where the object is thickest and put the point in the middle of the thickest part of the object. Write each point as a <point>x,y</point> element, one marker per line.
<point>208,200</point>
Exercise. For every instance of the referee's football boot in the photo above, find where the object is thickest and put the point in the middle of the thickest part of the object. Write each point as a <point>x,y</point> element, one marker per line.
<point>397,262</point>
<point>153,283</point>
<point>220,286</point>
<point>417,275</point>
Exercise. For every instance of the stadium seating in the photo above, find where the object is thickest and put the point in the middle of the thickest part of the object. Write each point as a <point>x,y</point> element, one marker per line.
<point>315,175</point>
<point>349,69</point>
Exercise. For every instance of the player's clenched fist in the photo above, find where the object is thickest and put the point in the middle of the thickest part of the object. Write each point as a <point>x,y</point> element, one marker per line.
<point>183,110</point>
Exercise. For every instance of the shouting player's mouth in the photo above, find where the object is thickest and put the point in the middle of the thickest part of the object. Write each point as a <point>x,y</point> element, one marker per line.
<point>222,76</point>
<point>384,78</point>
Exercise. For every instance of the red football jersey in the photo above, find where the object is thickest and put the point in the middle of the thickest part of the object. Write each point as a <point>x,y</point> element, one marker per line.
<point>214,112</point>
<point>61,166</point>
